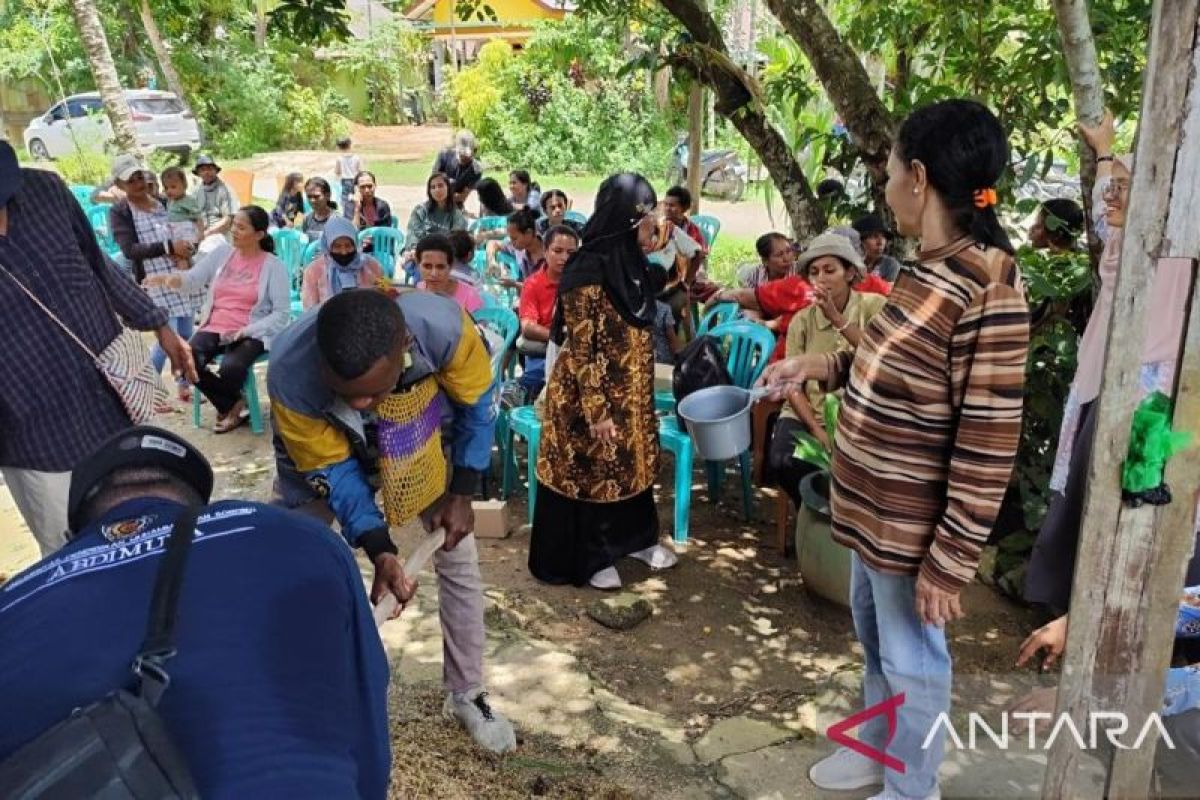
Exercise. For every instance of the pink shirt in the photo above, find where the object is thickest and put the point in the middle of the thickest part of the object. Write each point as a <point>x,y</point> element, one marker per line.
<point>235,293</point>
<point>464,294</point>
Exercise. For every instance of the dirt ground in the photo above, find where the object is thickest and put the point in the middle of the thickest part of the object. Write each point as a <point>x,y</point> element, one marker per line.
<point>420,144</point>
<point>733,634</point>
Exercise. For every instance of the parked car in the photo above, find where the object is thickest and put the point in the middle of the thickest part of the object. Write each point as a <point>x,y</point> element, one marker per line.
<point>160,122</point>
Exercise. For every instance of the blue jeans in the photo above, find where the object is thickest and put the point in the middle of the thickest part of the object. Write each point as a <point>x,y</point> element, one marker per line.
<point>902,655</point>
<point>158,357</point>
<point>533,378</point>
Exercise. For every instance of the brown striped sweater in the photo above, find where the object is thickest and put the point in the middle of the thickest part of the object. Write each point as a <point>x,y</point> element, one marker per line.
<point>931,417</point>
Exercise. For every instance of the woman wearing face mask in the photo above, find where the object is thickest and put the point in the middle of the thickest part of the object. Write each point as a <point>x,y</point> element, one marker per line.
<point>599,452</point>
<point>1052,563</point>
<point>340,266</point>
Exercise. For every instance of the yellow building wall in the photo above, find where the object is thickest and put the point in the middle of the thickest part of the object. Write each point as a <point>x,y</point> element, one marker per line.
<point>508,12</point>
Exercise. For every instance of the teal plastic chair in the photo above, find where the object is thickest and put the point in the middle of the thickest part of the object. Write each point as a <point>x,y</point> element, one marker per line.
<point>83,194</point>
<point>748,347</point>
<point>488,224</point>
<point>524,422</point>
<point>709,226</point>
<point>289,248</point>
<point>311,251</point>
<point>386,246</point>
<point>504,322</point>
<point>718,314</point>
<point>576,216</point>
<point>98,218</point>
<point>249,388</point>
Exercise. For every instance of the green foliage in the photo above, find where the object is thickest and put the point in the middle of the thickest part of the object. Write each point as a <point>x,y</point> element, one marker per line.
<point>392,63</point>
<point>727,256</point>
<point>562,104</point>
<point>809,448</point>
<point>311,21</point>
<point>314,121</point>
<point>84,165</point>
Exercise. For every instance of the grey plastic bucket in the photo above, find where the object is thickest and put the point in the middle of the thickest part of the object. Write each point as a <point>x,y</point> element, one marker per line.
<point>718,419</point>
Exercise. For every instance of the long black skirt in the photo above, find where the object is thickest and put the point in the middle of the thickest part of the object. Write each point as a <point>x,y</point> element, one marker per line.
<point>572,539</point>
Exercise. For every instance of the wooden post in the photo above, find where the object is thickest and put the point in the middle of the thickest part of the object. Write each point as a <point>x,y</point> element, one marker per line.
<point>1130,564</point>
<point>695,142</point>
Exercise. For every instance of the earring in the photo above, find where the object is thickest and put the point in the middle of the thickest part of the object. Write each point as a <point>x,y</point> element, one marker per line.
<point>916,190</point>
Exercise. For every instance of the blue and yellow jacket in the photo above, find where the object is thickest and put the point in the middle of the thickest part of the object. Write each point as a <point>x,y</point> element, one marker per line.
<point>322,442</point>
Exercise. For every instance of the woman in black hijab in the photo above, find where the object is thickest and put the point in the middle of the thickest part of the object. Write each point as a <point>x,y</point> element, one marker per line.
<point>599,452</point>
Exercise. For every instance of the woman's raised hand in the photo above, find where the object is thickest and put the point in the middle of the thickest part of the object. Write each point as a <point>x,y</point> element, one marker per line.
<point>1102,136</point>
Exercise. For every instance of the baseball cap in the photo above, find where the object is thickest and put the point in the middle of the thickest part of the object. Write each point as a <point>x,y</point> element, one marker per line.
<point>125,166</point>
<point>139,446</point>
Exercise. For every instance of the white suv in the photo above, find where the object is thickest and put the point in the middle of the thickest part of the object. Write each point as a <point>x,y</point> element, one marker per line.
<point>160,122</point>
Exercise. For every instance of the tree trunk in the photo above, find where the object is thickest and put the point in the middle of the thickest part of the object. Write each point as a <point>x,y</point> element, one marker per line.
<point>160,52</point>
<point>695,142</point>
<point>845,81</point>
<point>737,102</point>
<point>260,24</point>
<point>108,83</point>
<point>1087,89</point>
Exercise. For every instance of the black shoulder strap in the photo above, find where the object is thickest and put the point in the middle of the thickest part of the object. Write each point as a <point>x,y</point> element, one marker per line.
<point>158,646</point>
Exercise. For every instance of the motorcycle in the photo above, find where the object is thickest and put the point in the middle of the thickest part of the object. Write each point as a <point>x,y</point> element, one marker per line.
<point>722,173</point>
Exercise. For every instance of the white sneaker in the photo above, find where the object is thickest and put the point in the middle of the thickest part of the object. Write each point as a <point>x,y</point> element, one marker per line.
<point>607,578</point>
<point>489,728</point>
<point>937,795</point>
<point>657,557</point>
<point>845,770</point>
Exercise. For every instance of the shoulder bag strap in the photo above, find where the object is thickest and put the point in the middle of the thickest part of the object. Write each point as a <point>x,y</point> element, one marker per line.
<point>48,312</point>
<point>158,646</point>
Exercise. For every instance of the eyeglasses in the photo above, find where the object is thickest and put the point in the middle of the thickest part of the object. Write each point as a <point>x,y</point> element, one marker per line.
<point>1118,188</point>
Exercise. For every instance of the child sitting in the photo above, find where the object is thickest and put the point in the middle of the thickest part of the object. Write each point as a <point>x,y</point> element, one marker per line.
<point>666,340</point>
<point>834,322</point>
<point>184,218</point>
<point>463,268</point>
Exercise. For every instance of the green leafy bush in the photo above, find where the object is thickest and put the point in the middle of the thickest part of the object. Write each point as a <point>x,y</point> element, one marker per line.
<point>83,165</point>
<point>315,122</point>
<point>554,107</point>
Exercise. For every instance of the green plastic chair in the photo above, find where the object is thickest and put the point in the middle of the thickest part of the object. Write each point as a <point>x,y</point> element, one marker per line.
<point>709,226</point>
<point>311,251</point>
<point>289,248</point>
<point>488,224</point>
<point>98,218</point>
<point>576,216</point>
<point>718,314</point>
<point>249,388</point>
<point>748,347</point>
<point>386,246</point>
<point>83,194</point>
<point>524,422</point>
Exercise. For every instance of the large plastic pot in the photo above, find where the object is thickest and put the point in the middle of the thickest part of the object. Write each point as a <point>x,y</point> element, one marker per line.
<point>718,419</point>
<point>824,564</point>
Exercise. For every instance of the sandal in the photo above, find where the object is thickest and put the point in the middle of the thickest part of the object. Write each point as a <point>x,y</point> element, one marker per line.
<point>233,419</point>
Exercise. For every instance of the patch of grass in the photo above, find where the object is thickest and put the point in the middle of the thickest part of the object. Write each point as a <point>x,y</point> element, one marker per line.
<point>728,255</point>
<point>402,173</point>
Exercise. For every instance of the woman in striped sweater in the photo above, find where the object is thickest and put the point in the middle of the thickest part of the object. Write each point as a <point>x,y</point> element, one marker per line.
<point>927,434</point>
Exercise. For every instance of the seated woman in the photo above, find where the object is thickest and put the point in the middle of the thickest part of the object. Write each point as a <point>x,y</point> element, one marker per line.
<point>320,199</point>
<point>555,205</point>
<point>523,245</point>
<point>523,192</point>
<point>777,259</point>
<point>290,204</point>
<point>247,304</point>
<point>438,214</point>
<point>340,266</point>
<point>365,209</point>
<point>463,268</point>
<point>834,322</point>
<point>536,311</point>
<point>434,257</point>
<point>492,203</point>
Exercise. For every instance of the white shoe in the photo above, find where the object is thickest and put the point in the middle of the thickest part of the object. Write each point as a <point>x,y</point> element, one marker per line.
<point>607,578</point>
<point>657,557</point>
<point>845,770</point>
<point>489,728</point>
<point>937,795</point>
